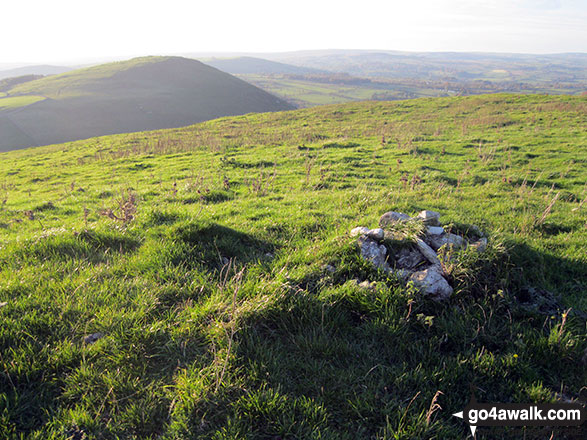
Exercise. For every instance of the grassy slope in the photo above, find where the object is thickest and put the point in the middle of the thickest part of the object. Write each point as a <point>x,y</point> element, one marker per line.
<point>140,94</point>
<point>309,93</point>
<point>251,65</point>
<point>18,101</point>
<point>290,350</point>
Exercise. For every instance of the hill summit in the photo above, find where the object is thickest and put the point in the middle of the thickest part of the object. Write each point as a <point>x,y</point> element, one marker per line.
<point>140,94</point>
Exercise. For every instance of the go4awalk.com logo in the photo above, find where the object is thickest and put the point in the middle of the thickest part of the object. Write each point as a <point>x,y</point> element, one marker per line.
<point>521,414</point>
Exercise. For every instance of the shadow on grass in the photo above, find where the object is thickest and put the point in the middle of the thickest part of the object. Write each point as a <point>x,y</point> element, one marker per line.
<point>363,355</point>
<point>210,245</point>
<point>92,246</point>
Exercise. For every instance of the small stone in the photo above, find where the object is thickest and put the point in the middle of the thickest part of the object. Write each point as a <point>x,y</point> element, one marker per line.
<point>431,282</point>
<point>435,230</point>
<point>409,258</point>
<point>90,339</point>
<point>373,252</point>
<point>330,268</point>
<point>456,241</point>
<point>3,304</point>
<point>376,234</point>
<point>269,255</point>
<point>453,240</point>
<point>428,252</point>
<point>367,285</point>
<point>391,217</point>
<point>431,218</point>
<point>359,230</point>
<point>480,245</point>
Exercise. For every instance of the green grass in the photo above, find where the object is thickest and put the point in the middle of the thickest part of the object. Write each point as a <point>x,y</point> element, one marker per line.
<point>273,345</point>
<point>134,95</point>
<point>77,82</point>
<point>13,102</point>
<point>307,93</point>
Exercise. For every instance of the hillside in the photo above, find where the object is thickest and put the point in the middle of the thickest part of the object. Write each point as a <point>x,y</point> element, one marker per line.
<point>140,94</point>
<point>338,76</point>
<point>258,66</point>
<point>202,283</point>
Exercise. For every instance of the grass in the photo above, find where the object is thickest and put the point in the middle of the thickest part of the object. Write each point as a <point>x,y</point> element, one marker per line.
<point>211,286</point>
<point>134,95</point>
<point>13,102</point>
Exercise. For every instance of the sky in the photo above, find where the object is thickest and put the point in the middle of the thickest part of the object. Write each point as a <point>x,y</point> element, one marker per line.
<point>69,31</point>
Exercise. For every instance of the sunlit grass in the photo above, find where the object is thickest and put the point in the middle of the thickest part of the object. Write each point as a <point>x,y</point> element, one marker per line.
<point>200,255</point>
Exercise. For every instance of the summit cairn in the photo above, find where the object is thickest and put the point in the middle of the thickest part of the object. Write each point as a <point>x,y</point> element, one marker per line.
<point>408,247</point>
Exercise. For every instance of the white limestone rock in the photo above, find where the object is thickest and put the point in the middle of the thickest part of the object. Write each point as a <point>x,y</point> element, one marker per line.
<point>431,282</point>
<point>435,230</point>
<point>376,234</point>
<point>373,252</point>
<point>428,252</point>
<point>431,218</point>
<point>359,230</point>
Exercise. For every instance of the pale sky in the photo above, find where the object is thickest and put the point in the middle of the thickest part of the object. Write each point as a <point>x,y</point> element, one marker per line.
<point>61,31</point>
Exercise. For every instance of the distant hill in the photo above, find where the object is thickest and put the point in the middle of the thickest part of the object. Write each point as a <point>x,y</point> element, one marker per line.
<point>570,67</point>
<point>34,70</point>
<point>140,94</point>
<point>259,66</point>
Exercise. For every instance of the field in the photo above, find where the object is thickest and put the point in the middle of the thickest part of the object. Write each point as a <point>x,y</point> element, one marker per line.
<point>307,93</point>
<point>319,89</point>
<point>201,282</point>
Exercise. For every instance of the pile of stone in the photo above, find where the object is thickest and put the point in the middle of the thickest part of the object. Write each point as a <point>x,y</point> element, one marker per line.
<point>417,260</point>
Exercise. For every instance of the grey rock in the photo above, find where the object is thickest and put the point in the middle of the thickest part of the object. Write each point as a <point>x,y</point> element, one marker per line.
<point>409,258</point>
<point>435,230</point>
<point>373,252</point>
<point>391,217</point>
<point>359,230</point>
<point>403,274</point>
<point>329,268</point>
<point>456,241</point>
<point>431,282</point>
<point>376,234</point>
<point>431,218</point>
<point>480,245</point>
<point>90,339</point>
<point>437,241</point>
<point>428,252</point>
